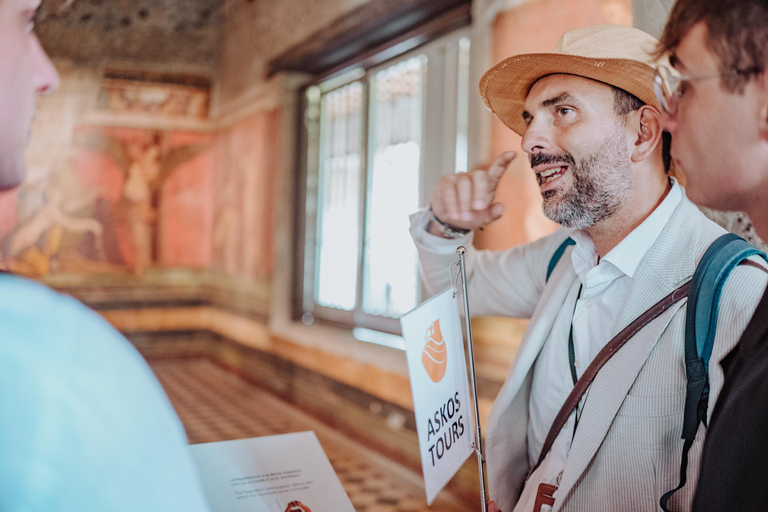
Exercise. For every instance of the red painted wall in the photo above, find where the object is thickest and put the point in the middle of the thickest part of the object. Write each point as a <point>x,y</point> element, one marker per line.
<point>246,156</point>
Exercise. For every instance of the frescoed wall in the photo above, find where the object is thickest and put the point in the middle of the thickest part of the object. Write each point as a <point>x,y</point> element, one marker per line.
<point>128,176</point>
<point>125,200</point>
<point>243,221</point>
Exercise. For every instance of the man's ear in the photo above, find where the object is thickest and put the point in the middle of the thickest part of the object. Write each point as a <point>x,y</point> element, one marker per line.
<point>646,124</point>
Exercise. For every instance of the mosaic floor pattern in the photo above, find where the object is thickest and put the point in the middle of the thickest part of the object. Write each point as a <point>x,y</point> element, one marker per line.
<point>215,405</point>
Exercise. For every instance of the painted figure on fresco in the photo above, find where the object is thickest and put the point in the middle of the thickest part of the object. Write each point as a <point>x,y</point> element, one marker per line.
<point>57,229</point>
<point>33,244</point>
<point>136,203</point>
<point>227,224</point>
<point>146,166</point>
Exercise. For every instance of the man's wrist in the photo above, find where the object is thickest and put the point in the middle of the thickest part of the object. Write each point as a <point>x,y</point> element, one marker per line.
<point>437,227</point>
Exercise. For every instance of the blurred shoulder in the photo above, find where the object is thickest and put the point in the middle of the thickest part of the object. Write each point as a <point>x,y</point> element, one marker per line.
<point>26,301</point>
<point>38,321</point>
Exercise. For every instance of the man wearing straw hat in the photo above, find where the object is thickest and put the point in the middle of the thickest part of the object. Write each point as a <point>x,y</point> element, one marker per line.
<point>591,128</point>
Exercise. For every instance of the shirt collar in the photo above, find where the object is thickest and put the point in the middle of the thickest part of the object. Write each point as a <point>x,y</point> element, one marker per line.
<point>628,254</point>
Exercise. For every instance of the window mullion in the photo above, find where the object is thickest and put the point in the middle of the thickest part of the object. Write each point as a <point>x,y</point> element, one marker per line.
<point>432,166</point>
<point>314,127</point>
<point>450,57</point>
<point>365,167</point>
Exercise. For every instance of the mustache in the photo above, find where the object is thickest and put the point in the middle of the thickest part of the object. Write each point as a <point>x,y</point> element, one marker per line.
<point>547,158</point>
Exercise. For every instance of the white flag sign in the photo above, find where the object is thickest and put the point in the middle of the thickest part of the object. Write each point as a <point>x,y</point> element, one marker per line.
<point>438,371</point>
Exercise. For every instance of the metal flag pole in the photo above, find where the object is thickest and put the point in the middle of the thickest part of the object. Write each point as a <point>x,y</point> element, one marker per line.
<point>478,435</point>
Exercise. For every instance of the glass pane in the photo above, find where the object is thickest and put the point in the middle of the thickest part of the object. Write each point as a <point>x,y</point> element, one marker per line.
<point>339,198</point>
<point>462,105</point>
<point>391,274</point>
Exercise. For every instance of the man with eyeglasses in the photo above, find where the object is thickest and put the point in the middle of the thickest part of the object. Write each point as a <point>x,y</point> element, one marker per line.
<point>715,95</point>
<point>84,424</point>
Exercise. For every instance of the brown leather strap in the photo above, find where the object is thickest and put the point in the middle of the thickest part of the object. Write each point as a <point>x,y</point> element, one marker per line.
<point>601,358</point>
<point>544,496</point>
<point>751,263</point>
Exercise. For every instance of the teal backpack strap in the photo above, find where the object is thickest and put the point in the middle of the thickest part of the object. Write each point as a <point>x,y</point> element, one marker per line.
<point>558,254</point>
<point>725,254</point>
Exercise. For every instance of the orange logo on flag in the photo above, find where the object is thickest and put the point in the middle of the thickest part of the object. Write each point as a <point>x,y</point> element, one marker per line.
<point>435,356</point>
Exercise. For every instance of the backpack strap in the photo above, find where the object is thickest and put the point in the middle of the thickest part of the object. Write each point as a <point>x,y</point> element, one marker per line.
<point>725,254</point>
<point>558,254</point>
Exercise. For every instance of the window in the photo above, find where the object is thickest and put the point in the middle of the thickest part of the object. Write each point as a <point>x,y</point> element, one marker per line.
<point>377,142</point>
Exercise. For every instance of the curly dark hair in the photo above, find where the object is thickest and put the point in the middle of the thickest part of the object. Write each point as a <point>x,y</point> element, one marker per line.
<point>737,35</point>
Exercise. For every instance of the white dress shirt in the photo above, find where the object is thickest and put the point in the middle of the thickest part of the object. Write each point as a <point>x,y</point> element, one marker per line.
<point>605,287</point>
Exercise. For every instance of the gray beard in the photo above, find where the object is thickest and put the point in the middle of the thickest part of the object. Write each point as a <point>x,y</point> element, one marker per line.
<point>601,182</point>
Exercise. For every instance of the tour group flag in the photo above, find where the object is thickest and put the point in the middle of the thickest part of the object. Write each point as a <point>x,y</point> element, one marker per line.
<point>435,350</point>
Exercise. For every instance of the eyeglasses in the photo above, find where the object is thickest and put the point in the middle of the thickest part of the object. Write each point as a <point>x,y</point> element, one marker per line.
<point>668,86</point>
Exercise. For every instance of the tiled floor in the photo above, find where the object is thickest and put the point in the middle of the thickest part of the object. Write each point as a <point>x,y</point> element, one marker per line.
<point>215,405</point>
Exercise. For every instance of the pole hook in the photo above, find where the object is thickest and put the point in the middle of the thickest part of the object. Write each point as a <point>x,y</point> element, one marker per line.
<point>454,279</point>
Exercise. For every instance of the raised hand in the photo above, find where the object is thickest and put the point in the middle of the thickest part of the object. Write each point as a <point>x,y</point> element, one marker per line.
<point>465,200</point>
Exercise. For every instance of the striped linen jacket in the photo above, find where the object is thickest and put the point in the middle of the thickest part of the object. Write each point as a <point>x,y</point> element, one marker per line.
<point>627,450</point>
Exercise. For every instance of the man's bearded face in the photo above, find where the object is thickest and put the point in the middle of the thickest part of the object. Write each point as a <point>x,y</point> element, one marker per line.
<point>598,183</point>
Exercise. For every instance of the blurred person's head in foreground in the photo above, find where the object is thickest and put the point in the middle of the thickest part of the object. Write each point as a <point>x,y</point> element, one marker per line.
<point>26,73</point>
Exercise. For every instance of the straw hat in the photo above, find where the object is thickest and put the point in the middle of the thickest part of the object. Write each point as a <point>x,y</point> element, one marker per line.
<point>613,54</point>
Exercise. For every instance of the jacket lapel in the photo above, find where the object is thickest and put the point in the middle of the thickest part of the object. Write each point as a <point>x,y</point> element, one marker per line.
<point>669,263</point>
<point>605,397</point>
<point>539,327</point>
<point>506,432</point>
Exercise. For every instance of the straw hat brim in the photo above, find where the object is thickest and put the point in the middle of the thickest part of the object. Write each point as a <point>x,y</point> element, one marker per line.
<point>505,86</point>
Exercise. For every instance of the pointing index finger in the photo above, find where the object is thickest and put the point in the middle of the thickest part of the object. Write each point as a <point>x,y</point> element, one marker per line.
<point>500,165</point>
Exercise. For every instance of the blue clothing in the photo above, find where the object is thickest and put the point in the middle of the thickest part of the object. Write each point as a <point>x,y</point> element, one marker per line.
<point>84,424</point>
